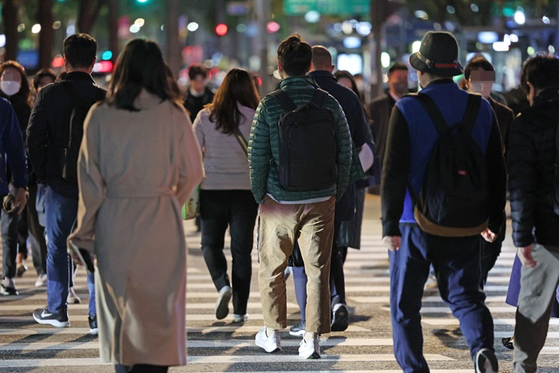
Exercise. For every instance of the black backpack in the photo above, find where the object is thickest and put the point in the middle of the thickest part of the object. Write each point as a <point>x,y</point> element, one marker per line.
<point>308,144</point>
<point>453,200</point>
<point>73,130</point>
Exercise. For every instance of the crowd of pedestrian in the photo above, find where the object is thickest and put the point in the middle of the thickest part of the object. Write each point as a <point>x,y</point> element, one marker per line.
<point>81,165</point>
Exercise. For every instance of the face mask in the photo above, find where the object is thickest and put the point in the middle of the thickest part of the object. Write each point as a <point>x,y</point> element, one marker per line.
<point>9,87</point>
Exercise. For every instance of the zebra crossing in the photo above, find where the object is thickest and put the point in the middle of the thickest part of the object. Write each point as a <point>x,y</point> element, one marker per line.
<point>223,346</point>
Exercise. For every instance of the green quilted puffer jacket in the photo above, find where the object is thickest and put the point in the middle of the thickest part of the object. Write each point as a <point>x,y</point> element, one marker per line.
<point>264,148</point>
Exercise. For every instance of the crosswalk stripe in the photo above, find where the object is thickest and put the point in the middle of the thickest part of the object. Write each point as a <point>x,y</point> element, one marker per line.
<point>454,321</point>
<point>325,358</point>
<point>426,299</point>
<point>291,307</point>
<point>330,342</point>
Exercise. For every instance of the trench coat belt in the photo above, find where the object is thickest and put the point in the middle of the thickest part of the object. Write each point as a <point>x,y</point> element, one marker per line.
<point>136,192</point>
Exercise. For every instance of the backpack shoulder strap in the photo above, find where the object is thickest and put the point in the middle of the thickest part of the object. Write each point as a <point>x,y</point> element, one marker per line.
<point>472,109</point>
<point>433,111</point>
<point>318,97</point>
<point>284,99</point>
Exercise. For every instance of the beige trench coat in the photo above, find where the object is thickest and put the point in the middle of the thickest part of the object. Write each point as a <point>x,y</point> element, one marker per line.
<point>136,169</point>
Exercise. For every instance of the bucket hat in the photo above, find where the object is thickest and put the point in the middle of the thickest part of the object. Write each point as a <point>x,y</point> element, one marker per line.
<point>437,55</point>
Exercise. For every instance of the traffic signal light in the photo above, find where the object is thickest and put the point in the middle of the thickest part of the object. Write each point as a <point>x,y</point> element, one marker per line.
<point>221,29</point>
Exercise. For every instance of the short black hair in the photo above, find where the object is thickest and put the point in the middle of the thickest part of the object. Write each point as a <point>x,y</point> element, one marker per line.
<point>476,63</point>
<point>80,50</point>
<point>197,69</point>
<point>295,55</point>
<point>397,66</point>
<point>541,70</point>
<point>46,71</point>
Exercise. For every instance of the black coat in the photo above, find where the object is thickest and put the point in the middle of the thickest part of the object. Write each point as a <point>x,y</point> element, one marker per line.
<point>351,105</point>
<point>46,128</point>
<point>531,158</point>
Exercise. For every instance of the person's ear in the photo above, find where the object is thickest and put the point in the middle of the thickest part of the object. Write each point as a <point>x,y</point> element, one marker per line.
<point>531,93</point>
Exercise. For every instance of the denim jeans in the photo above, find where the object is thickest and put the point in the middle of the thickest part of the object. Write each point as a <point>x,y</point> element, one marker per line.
<point>61,213</point>
<point>236,209</point>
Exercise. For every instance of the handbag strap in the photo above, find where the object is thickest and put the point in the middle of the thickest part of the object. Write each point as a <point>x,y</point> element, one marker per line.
<point>242,141</point>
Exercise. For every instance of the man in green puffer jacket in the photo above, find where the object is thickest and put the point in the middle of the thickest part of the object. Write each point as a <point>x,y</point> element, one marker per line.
<point>286,215</point>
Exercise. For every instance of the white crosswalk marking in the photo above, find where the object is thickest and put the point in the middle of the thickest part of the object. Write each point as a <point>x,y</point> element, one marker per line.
<point>220,345</point>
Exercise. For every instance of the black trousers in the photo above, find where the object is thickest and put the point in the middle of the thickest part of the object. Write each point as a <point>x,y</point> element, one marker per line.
<point>236,209</point>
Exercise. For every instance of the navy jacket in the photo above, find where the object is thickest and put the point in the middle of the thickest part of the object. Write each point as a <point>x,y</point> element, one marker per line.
<point>12,149</point>
<point>46,126</point>
<point>351,105</point>
<point>411,137</point>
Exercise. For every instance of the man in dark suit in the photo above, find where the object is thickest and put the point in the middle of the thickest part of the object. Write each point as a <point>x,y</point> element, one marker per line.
<point>381,107</point>
<point>479,76</point>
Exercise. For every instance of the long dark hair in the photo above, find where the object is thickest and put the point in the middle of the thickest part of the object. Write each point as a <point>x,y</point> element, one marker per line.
<point>237,87</point>
<point>23,97</point>
<point>141,65</point>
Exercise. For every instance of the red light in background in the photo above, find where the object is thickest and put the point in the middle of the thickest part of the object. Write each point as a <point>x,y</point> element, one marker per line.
<point>58,62</point>
<point>221,29</point>
<point>103,67</point>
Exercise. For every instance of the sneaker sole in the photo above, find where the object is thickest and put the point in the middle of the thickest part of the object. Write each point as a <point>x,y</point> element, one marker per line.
<point>222,308</point>
<point>94,331</point>
<point>480,367</point>
<point>300,333</point>
<point>267,349</point>
<point>340,322</point>
<point>55,323</point>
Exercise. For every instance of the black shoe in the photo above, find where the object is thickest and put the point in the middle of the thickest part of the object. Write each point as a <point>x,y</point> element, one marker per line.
<point>339,318</point>
<point>45,317</point>
<point>8,287</point>
<point>508,342</point>
<point>298,330</point>
<point>222,305</point>
<point>92,319</point>
<point>486,361</point>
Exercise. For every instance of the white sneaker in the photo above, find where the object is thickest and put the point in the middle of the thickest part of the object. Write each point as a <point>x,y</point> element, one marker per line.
<point>310,349</point>
<point>240,318</point>
<point>73,297</point>
<point>41,281</point>
<point>269,344</point>
<point>222,304</point>
<point>485,361</point>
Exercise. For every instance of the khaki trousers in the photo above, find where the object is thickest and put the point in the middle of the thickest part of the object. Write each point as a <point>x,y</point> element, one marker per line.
<point>313,226</point>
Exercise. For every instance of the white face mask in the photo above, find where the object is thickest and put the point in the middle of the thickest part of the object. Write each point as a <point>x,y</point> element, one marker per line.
<point>10,87</point>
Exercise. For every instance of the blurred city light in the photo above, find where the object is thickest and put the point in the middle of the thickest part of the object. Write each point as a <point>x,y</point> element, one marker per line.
<point>421,14</point>
<point>352,42</point>
<point>241,28</point>
<point>530,51</point>
<point>107,55</point>
<point>514,38</point>
<point>312,16</point>
<point>551,49</point>
<point>519,16</point>
<point>450,9</point>
<point>192,26</point>
<point>36,28</point>
<point>2,40</point>
<point>415,46</point>
<point>221,29</point>
<point>272,27</point>
<point>488,37</point>
<point>347,27</point>
<point>385,60</point>
<point>474,8</point>
<point>56,25</point>
<point>140,22</point>
<point>134,28</point>
<point>546,20</point>
<point>501,46</point>
<point>364,28</point>
<point>58,61</point>
<point>21,27</point>
<point>71,29</point>
<point>103,67</point>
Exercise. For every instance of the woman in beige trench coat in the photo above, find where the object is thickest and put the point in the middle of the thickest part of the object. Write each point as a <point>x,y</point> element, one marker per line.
<point>138,163</point>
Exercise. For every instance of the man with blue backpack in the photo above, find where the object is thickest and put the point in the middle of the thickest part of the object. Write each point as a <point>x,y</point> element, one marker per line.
<point>443,183</point>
